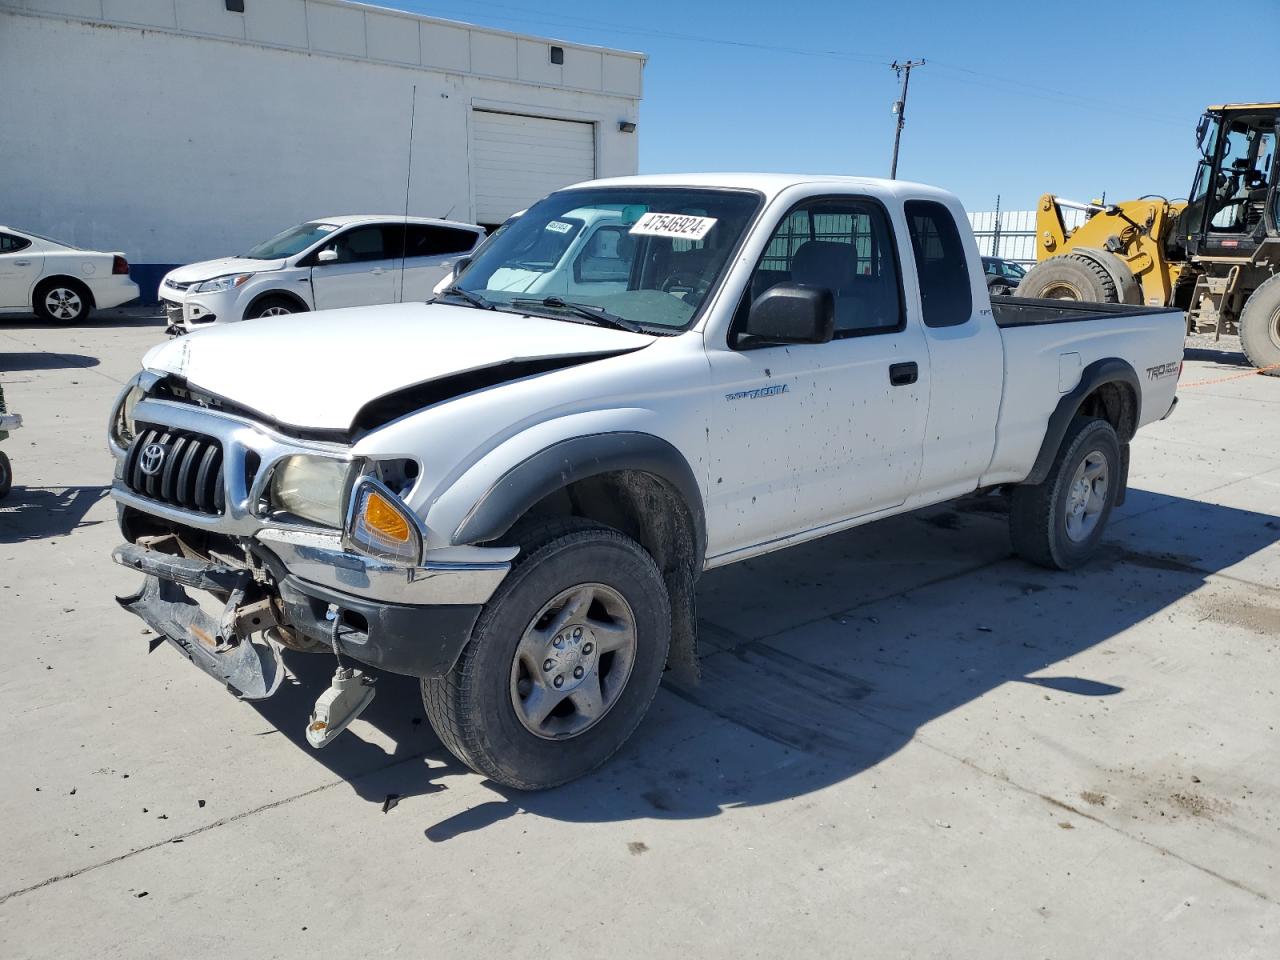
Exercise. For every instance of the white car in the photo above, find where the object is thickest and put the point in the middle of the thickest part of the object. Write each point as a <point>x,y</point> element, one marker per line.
<point>319,265</point>
<point>512,494</point>
<point>57,281</point>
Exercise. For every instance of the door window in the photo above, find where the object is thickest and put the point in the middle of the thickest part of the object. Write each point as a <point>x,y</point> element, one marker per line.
<point>1013,270</point>
<point>845,245</point>
<point>945,294</point>
<point>11,244</point>
<point>361,244</point>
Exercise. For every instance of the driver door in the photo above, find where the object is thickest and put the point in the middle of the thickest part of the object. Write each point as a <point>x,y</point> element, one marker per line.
<point>361,274</point>
<point>810,435</point>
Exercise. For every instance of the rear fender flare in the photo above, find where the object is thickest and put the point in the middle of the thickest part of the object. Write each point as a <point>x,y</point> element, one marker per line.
<point>1095,375</point>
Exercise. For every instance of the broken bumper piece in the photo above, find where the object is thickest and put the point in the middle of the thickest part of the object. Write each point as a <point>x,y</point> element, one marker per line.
<point>417,640</point>
<point>251,669</point>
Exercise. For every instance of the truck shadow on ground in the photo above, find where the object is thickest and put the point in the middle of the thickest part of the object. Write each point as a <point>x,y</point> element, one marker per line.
<point>36,513</point>
<point>823,660</point>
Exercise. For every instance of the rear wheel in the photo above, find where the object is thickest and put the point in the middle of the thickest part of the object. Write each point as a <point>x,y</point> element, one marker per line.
<point>1260,327</point>
<point>563,662</point>
<point>1069,277</point>
<point>1059,522</point>
<point>61,301</point>
<point>6,476</point>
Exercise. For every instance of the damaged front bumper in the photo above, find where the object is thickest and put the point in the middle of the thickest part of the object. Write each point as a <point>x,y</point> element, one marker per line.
<point>270,606</point>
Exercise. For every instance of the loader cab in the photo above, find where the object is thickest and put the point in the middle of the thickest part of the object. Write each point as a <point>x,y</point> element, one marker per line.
<point>1234,206</point>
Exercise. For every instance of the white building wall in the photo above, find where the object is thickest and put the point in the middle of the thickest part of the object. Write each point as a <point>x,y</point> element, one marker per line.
<point>176,131</point>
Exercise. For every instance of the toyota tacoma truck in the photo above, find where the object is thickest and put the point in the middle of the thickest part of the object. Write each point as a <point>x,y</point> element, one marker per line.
<point>511,494</point>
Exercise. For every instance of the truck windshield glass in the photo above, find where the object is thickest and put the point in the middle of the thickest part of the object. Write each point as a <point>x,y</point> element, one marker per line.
<point>294,240</point>
<point>650,255</point>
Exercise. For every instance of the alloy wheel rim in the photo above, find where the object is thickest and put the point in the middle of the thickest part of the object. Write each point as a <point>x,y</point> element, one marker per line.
<point>63,303</point>
<point>1087,496</point>
<point>573,661</point>
<point>276,312</point>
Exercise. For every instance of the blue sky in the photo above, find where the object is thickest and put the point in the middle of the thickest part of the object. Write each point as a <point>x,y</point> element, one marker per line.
<point>1016,98</point>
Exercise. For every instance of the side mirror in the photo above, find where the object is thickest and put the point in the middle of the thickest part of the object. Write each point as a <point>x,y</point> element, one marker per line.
<point>459,265</point>
<point>793,313</point>
<point>327,255</point>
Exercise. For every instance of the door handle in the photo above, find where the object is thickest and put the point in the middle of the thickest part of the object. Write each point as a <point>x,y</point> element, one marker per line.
<point>901,374</point>
<point>22,263</point>
<point>377,271</point>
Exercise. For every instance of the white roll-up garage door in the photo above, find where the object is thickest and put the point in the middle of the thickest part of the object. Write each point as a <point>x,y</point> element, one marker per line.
<point>517,159</point>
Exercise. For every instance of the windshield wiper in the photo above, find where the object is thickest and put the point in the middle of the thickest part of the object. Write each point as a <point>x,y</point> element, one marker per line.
<point>472,298</point>
<point>588,310</point>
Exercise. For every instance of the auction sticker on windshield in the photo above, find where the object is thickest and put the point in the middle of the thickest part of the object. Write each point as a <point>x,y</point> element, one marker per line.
<point>675,225</point>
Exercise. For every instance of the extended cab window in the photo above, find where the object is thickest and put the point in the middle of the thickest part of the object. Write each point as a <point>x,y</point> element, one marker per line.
<point>945,294</point>
<point>845,245</point>
<point>11,244</point>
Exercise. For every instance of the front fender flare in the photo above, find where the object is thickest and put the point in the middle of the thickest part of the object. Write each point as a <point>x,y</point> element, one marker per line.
<point>578,458</point>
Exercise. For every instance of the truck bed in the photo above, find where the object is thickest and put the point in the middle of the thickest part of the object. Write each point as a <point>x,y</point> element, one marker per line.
<point>1032,311</point>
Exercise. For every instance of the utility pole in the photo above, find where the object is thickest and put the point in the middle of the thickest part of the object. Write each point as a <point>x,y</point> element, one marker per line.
<point>900,107</point>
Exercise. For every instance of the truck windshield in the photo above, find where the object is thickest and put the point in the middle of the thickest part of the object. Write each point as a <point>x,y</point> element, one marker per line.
<point>650,255</point>
<point>294,240</point>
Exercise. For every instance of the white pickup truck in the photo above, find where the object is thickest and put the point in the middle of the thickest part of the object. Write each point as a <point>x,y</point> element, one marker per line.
<point>511,495</point>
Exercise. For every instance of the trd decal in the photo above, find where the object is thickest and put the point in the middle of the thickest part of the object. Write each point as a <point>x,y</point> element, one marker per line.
<point>758,393</point>
<point>1163,370</point>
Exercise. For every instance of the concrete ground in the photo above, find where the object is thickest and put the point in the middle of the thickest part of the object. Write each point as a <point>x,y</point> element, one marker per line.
<point>906,743</point>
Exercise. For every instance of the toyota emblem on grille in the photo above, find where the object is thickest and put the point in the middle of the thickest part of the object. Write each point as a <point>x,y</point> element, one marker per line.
<point>152,459</point>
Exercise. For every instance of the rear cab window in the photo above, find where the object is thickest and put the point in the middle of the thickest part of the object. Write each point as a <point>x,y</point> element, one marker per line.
<point>943,271</point>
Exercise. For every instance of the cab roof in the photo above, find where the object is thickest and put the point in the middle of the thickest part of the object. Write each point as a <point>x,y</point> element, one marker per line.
<point>772,184</point>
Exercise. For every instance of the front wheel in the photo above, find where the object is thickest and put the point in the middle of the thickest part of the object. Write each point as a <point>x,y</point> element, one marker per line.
<point>6,476</point>
<point>562,664</point>
<point>1059,522</point>
<point>273,307</point>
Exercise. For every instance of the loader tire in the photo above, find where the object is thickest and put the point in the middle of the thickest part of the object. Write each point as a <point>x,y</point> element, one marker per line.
<point>1069,277</point>
<point>1260,328</point>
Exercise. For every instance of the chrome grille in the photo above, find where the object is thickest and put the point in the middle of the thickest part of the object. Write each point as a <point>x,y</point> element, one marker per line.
<point>177,467</point>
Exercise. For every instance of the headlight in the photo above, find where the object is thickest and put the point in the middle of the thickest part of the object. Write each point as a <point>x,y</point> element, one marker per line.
<point>218,284</point>
<point>310,488</point>
<point>123,429</point>
<point>380,525</point>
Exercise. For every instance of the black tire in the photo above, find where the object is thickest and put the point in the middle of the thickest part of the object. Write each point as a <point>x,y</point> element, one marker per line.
<point>1069,277</point>
<point>1039,514</point>
<point>1260,327</point>
<point>62,300</point>
<point>6,476</point>
<point>473,709</point>
<point>273,306</point>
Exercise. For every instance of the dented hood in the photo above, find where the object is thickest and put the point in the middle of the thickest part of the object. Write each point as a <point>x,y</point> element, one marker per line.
<point>316,370</point>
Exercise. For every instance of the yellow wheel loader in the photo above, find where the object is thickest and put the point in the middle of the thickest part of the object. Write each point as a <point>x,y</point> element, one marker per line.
<point>1215,255</point>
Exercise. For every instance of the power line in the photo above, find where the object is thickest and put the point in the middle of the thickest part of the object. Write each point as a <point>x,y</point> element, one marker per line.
<point>980,78</point>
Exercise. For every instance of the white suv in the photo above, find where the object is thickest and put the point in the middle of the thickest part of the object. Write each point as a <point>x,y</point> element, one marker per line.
<point>318,265</point>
